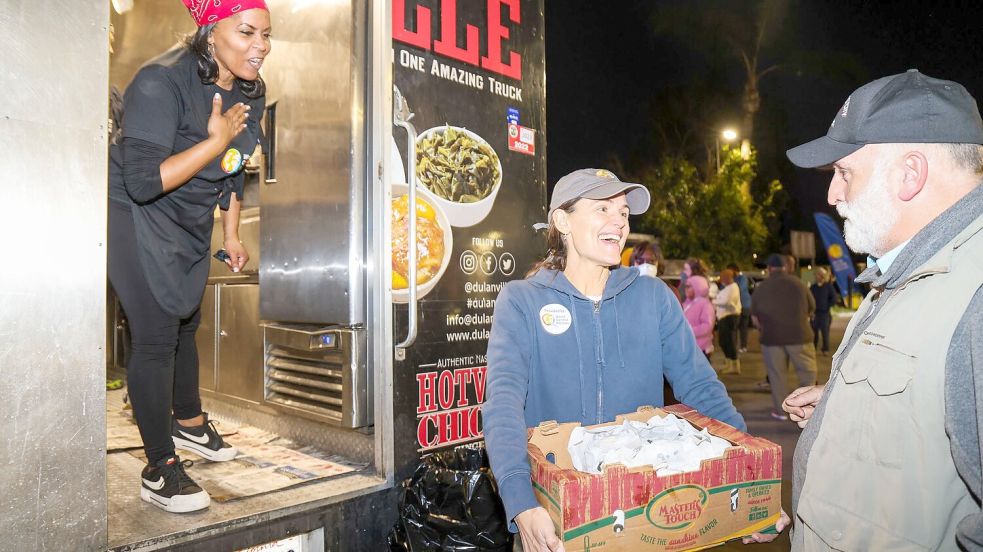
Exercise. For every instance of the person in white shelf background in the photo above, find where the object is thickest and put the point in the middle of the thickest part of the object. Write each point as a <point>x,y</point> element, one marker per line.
<point>728,304</point>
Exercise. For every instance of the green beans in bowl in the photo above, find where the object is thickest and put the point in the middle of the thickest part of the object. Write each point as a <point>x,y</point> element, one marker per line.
<point>460,170</point>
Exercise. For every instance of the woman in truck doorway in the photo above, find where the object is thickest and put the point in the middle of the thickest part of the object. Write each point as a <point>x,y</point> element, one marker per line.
<point>190,121</point>
<point>581,339</point>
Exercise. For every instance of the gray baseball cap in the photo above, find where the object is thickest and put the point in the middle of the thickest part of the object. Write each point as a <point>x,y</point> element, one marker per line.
<point>598,184</point>
<point>907,108</point>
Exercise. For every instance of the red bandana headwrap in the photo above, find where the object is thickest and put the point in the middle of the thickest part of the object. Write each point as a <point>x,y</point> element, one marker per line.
<point>206,12</point>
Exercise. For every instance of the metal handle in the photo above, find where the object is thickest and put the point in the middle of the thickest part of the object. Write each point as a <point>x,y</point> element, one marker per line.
<point>271,143</point>
<point>401,118</point>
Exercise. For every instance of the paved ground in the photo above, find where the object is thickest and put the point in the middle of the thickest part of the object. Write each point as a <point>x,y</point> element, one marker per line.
<point>755,404</point>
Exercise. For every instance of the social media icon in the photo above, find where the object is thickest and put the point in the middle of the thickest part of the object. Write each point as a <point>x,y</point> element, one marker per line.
<point>468,261</point>
<point>489,263</point>
<point>506,264</point>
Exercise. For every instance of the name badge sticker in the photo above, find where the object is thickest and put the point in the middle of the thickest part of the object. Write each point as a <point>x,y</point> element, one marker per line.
<point>555,318</point>
<point>231,161</point>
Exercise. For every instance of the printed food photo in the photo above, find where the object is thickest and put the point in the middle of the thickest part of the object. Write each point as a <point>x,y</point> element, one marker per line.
<point>460,171</point>
<point>433,244</point>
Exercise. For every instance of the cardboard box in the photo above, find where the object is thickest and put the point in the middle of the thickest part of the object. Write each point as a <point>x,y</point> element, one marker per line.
<point>634,509</point>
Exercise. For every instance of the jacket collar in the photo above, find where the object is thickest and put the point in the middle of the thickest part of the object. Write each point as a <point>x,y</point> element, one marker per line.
<point>618,280</point>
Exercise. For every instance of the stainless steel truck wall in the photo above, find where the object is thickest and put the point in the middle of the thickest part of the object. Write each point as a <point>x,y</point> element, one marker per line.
<point>148,29</point>
<point>314,195</point>
<point>53,284</point>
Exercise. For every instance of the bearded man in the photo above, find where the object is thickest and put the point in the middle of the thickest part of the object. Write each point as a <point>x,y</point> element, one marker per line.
<point>890,458</point>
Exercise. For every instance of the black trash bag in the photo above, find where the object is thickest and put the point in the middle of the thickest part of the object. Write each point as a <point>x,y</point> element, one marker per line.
<point>451,504</point>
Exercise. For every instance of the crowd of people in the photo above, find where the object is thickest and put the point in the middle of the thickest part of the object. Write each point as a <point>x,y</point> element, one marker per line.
<point>792,318</point>
<point>897,426</point>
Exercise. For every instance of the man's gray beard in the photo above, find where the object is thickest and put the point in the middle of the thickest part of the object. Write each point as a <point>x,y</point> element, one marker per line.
<point>870,217</point>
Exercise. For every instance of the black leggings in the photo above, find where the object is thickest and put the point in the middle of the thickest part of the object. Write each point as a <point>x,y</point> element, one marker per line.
<point>743,324</point>
<point>727,326</point>
<point>162,372</point>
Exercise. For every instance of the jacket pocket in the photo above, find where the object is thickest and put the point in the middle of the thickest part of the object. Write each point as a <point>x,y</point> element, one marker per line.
<point>841,529</point>
<point>878,376</point>
<point>886,368</point>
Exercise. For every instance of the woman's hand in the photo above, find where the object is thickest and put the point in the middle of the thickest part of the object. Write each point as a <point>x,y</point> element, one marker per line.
<point>237,253</point>
<point>783,522</point>
<point>537,532</point>
<point>181,167</point>
<point>223,127</point>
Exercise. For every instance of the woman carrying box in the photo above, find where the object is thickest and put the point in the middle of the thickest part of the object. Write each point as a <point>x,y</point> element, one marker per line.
<point>580,341</point>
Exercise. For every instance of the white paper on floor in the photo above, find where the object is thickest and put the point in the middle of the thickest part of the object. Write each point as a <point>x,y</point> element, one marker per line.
<point>670,445</point>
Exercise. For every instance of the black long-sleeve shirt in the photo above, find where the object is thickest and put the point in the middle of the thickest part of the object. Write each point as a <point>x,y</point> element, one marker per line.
<point>825,296</point>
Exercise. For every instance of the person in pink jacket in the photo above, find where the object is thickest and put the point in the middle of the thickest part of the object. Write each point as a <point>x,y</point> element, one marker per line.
<point>699,312</point>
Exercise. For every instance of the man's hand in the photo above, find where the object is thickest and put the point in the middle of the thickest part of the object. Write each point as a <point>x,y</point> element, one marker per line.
<point>801,403</point>
<point>537,532</point>
<point>783,522</point>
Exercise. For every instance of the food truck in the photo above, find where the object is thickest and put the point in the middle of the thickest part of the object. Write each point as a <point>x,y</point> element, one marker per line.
<point>358,329</point>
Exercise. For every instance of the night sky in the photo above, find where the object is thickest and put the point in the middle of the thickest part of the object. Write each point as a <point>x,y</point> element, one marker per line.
<point>604,65</point>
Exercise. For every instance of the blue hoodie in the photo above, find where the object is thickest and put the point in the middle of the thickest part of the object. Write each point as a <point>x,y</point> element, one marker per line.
<point>555,354</point>
<point>742,284</point>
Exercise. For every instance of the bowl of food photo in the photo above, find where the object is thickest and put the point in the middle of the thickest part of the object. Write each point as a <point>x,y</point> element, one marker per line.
<point>434,242</point>
<point>459,171</point>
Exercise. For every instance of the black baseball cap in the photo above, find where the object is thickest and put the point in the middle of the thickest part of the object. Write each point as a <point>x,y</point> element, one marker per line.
<point>775,261</point>
<point>906,108</point>
<point>598,184</point>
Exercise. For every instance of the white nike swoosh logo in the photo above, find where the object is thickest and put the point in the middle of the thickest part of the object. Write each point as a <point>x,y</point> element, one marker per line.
<point>155,485</point>
<point>203,440</point>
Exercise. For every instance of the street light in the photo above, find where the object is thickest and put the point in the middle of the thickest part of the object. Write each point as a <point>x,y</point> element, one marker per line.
<point>729,135</point>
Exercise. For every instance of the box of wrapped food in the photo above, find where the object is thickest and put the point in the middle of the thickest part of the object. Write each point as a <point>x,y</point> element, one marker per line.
<point>664,479</point>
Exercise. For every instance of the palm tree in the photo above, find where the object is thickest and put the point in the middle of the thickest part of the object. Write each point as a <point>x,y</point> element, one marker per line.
<point>733,31</point>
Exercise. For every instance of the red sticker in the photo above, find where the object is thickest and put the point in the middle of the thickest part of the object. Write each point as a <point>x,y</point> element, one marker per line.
<point>522,139</point>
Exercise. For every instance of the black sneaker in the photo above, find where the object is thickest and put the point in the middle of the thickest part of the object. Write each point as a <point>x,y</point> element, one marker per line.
<point>202,440</point>
<point>167,486</point>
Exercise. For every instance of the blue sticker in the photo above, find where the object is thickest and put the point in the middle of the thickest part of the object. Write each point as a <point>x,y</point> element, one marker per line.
<point>513,116</point>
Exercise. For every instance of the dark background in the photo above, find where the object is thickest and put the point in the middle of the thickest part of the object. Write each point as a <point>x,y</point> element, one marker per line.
<point>607,67</point>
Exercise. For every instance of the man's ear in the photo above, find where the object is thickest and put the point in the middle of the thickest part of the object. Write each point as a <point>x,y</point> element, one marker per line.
<point>915,174</point>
